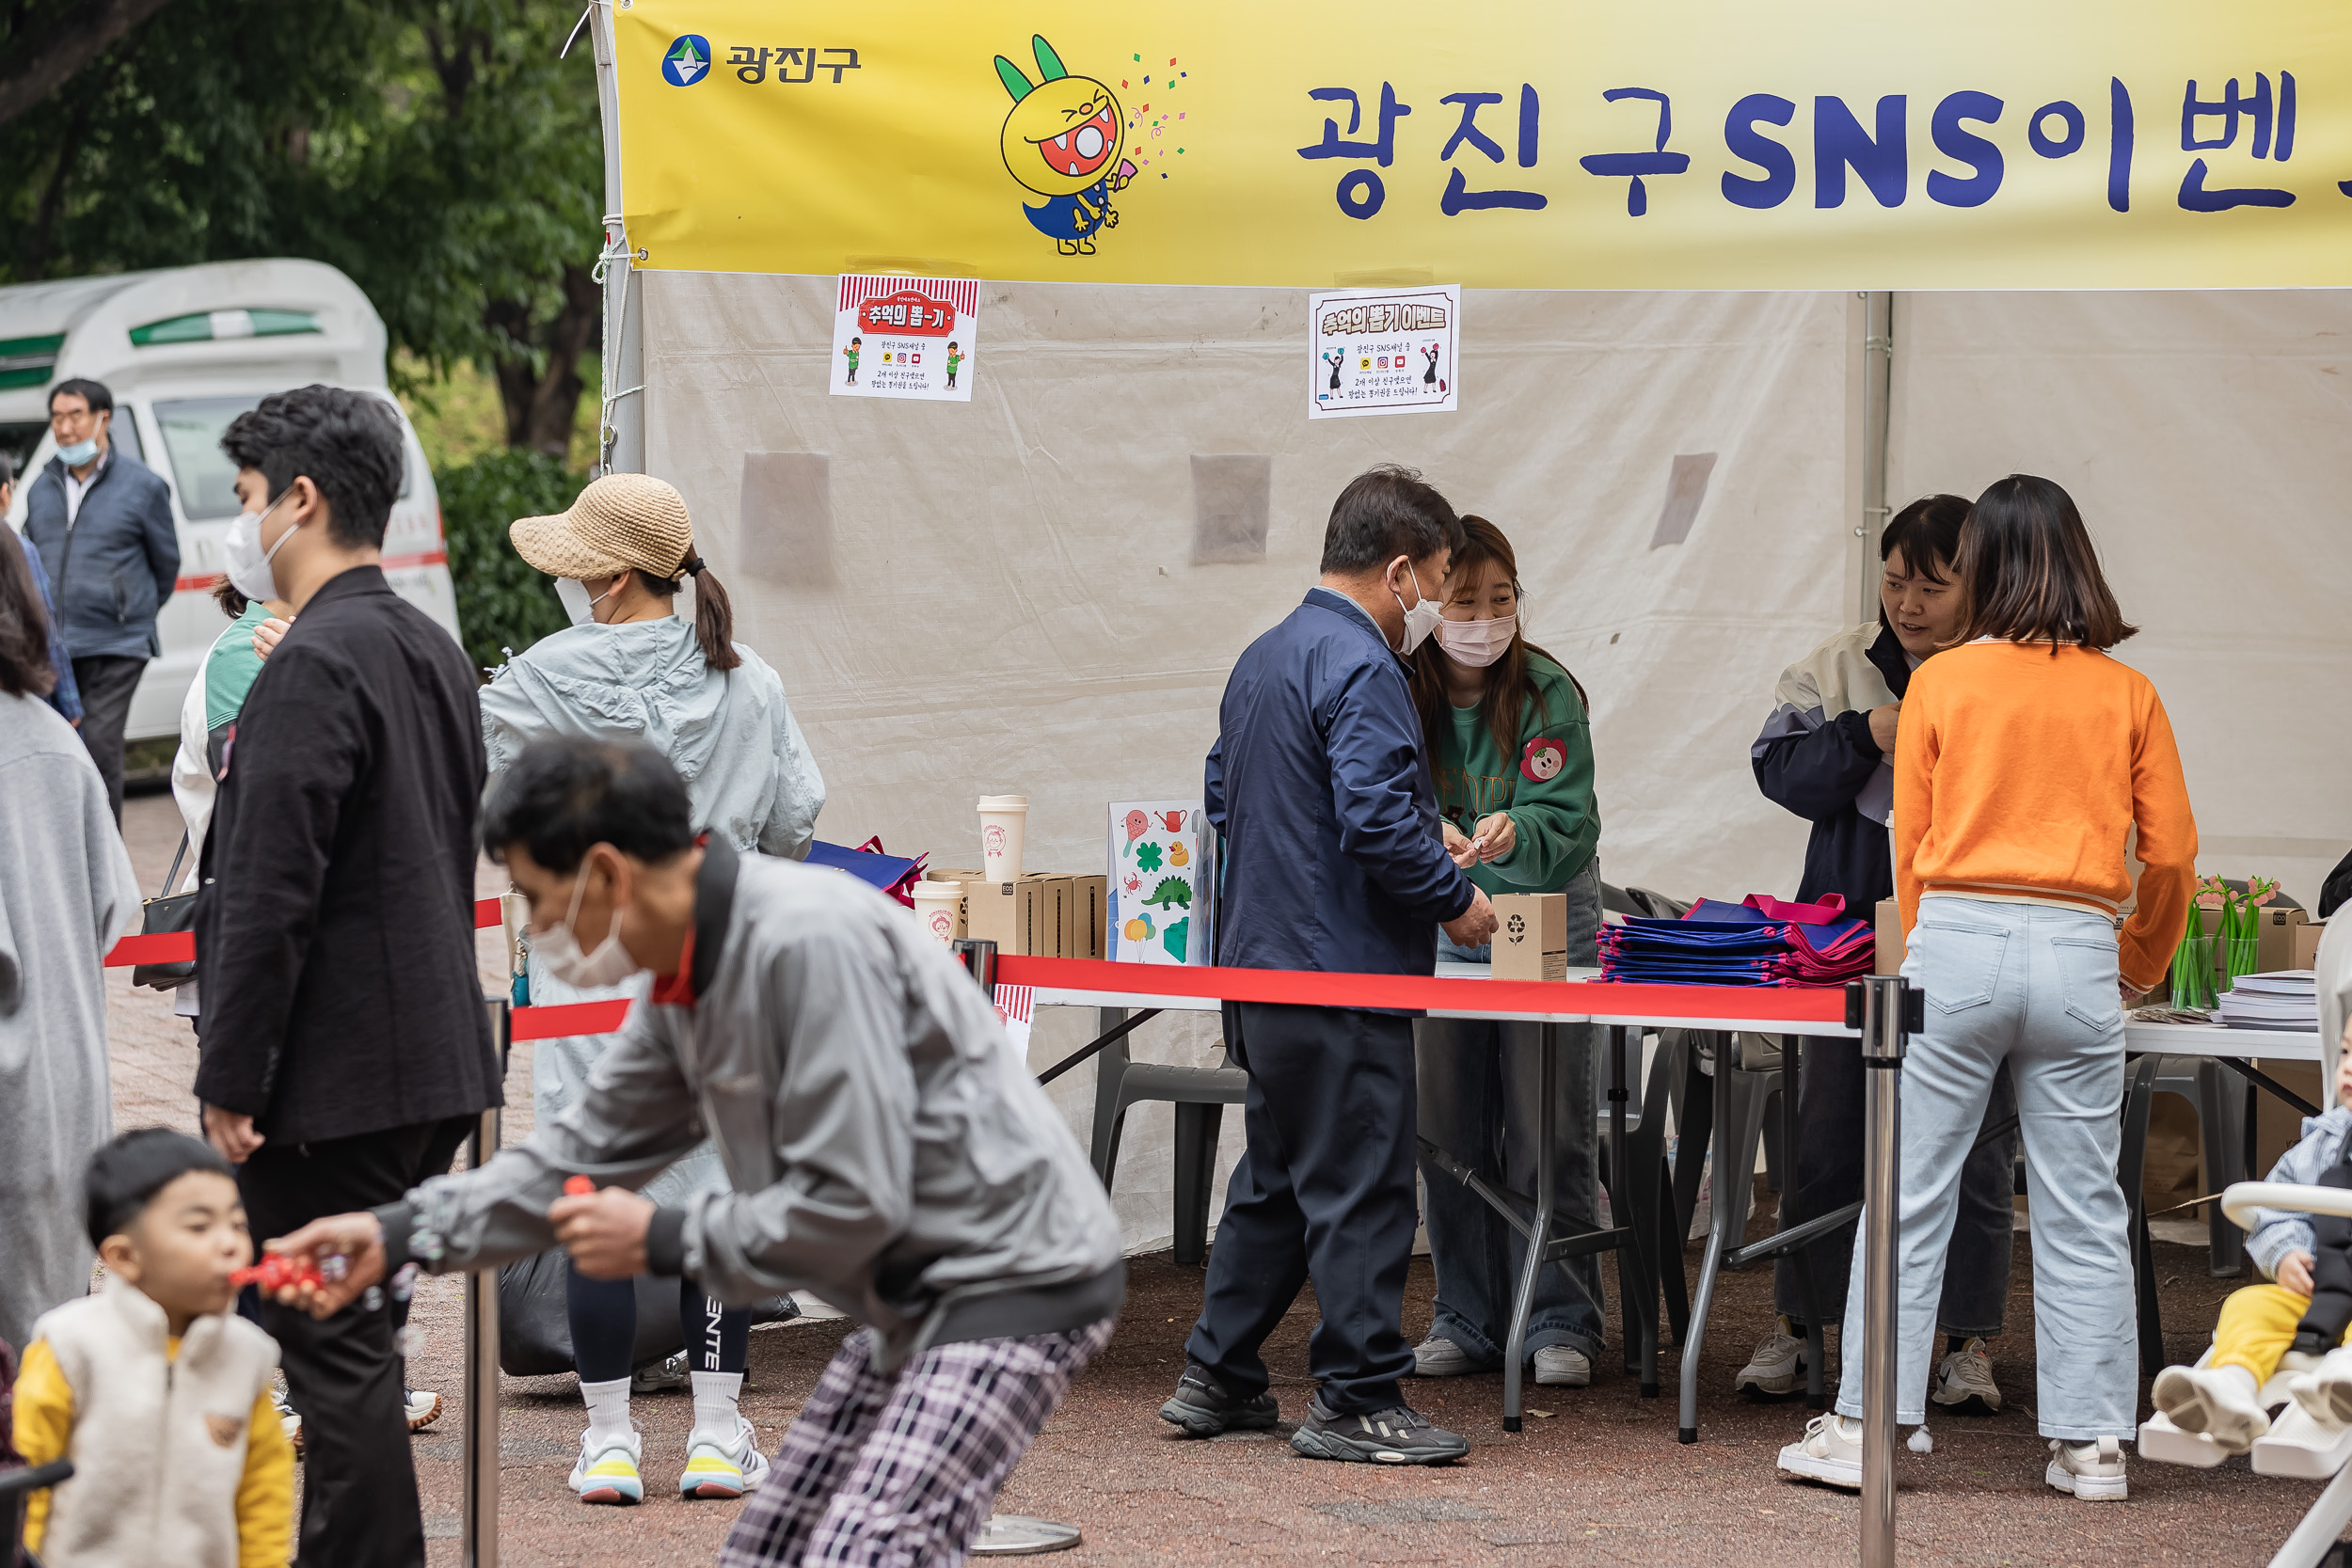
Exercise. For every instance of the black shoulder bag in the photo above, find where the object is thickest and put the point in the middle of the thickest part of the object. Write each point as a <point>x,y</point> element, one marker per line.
<point>166,912</point>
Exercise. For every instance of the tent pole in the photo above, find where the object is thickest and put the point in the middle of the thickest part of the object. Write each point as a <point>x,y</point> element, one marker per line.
<point>1870,326</point>
<point>621,436</point>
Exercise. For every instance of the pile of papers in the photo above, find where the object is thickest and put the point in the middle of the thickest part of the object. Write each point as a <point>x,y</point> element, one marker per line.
<point>1760,941</point>
<point>2282,999</point>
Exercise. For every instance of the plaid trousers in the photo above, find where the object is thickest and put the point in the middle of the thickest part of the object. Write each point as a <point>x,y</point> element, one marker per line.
<point>887,1470</point>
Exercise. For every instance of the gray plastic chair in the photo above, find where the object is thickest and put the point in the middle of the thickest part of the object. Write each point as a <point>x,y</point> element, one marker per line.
<point>1199,1095</point>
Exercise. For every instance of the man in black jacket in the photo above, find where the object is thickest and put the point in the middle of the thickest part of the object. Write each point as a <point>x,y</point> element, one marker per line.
<point>346,1050</point>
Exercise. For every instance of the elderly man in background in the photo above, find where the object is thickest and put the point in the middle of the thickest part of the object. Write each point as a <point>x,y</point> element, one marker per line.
<point>102,521</point>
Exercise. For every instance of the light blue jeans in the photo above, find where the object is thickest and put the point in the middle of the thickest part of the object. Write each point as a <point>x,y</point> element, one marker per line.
<point>2033,985</point>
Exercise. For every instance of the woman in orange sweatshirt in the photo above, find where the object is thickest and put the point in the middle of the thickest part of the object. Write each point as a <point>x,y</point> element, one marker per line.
<point>2024,757</point>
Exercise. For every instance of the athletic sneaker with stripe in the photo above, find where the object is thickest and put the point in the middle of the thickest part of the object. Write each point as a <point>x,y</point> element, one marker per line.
<point>605,1470</point>
<point>1399,1436</point>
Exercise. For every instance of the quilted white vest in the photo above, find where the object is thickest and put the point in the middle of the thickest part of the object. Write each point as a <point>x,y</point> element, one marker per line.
<point>158,1445</point>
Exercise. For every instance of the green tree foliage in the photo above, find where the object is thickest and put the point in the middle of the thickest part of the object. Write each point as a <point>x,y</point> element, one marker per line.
<point>436,151</point>
<point>503,602</point>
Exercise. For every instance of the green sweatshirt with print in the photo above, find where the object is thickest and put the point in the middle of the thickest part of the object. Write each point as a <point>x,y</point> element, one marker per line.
<point>1550,807</point>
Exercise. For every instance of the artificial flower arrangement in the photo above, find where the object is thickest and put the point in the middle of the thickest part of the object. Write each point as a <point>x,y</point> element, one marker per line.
<point>2239,930</point>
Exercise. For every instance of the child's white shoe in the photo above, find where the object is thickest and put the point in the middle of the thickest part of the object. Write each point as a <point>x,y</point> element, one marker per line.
<point>2092,1471</point>
<point>2221,1401</point>
<point>606,1471</point>
<point>2325,1392</point>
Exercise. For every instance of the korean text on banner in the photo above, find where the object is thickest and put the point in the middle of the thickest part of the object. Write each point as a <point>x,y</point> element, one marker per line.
<point>905,337</point>
<point>1682,144</point>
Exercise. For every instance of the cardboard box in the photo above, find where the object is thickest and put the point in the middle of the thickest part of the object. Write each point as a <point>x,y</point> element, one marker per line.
<point>2277,1125</point>
<point>1048,897</point>
<point>1531,936</point>
<point>1890,938</point>
<point>1086,900</point>
<point>999,913</point>
<point>2305,953</point>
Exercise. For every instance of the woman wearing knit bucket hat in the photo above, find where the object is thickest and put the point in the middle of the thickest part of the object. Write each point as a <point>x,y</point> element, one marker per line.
<point>628,668</point>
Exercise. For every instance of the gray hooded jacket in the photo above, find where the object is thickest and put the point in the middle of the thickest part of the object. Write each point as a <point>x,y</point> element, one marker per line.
<point>884,1147</point>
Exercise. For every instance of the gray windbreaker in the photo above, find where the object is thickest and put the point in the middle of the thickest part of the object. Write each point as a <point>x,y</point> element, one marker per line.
<point>2279,1231</point>
<point>884,1147</point>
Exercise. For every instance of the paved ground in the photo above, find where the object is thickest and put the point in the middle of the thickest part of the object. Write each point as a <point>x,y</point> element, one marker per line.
<point>1598,1479</point>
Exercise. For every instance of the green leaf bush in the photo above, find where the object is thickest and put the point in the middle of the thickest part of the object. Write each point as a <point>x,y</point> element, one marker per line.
<point>503,601</point>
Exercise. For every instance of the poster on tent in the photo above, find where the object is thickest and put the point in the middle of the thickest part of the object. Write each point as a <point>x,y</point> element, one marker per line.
<point>1163,875</point>
<point>1383,351</point>
<point>905,337</point>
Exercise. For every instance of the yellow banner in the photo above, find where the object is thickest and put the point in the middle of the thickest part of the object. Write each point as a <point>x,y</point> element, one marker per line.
<point>1520,143</point>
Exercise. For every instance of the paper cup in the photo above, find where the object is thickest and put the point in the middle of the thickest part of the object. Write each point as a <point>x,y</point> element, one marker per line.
<point>935,906</point>
<point>1002,818</point>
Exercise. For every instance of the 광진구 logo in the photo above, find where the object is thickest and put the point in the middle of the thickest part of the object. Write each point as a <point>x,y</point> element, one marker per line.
<point>687,61</point>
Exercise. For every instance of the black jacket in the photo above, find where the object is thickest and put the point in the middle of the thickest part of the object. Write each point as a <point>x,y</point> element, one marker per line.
<point>2330,1312</point>
<point>116,567</point>
<point>334,924</point>
<point>1817,774</point>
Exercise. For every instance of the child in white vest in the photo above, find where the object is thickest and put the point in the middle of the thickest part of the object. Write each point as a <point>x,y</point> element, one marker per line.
<point>153,1386</point>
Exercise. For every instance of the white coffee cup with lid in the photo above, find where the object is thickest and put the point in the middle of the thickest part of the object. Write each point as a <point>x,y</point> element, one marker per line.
<point>1003,820</point>
<point>935,906</point>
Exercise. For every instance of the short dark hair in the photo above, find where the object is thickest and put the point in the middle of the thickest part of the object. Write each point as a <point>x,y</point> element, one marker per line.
<point>24,668</point>
<point>2028,572</point>
<point>348,443</point>
<point>1927,534</point>
<point>124,1175</point>
<point>8,469</point>
<point>1384,512</point>
<point>566,793</point>
<point>93,392</point>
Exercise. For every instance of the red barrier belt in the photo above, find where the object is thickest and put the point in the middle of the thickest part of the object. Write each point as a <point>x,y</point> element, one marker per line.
<point>570,1017</point>
<point>1316,988</point>
<point>179,947</point>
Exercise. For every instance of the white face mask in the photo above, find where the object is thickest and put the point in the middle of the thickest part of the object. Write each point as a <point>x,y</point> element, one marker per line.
<point>577,604</point>
<point>1422,618</point>
<point>250,570</point>
<point>1475,644</point>
<point>558,948</point>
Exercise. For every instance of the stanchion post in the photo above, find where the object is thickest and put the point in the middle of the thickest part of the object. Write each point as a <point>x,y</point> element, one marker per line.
<point>478,1528</point>
<point>1887,1010</point>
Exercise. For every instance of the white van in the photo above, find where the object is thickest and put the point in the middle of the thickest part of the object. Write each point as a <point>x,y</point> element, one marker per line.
<point>185,352</point>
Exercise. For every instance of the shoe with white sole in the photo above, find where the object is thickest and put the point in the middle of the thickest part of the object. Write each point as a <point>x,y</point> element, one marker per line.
<point>2221,1401</point>
<point>2092,1471</point>
<point>286,1419</point>
<point>1778,1364</point>
<point>1830,1450</point>
<point>1562,1367</point>
<point>1963,1382</point>
<point>1441,1357</point>
<point>424,1407</point>
<point>659,1377</point>
<point>605,1470</point>
<point>717,1466</point>
<point>2325,1392</point>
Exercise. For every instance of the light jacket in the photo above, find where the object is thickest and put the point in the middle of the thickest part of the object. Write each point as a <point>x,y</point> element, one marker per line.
<point>1816,757</point>
<point>117,563</point>
<point>1320,782</point>
<point>884,1146</point>
<point>729,733</point>
<point>2279,1231</point>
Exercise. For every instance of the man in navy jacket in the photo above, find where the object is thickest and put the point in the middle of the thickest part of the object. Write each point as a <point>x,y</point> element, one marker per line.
<point>1334,860</point>
<point>102,521</point>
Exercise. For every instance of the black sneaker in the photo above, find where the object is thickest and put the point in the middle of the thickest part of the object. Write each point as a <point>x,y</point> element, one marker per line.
<point>1395,1437</point>
<point>1204,1408</point>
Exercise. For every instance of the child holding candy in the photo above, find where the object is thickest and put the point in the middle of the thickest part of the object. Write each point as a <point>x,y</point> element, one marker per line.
<point>153,1386</point>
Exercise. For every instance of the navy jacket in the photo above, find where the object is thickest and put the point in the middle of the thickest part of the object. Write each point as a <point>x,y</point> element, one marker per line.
<point>1318,781</point>
<point>65,696</point>
<point>1818,776</point>
<point>115,568</point>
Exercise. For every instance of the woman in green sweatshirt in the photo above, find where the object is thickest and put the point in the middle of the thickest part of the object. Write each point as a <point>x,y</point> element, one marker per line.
<point>1512,751</point>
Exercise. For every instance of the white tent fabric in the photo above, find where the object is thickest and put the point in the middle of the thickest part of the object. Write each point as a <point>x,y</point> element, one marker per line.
<point>998,596</point>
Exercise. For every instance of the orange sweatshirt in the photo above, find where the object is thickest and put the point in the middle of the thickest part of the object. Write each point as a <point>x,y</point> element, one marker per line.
<point>2018,774</point>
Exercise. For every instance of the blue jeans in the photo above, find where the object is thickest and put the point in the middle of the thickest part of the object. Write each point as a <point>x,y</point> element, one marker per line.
<point>1480,1088</point>
<point>2033,984</point>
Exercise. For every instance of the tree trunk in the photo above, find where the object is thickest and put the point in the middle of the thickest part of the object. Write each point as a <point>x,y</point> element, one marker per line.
<point>542,401</point>
<point>53,195</point>
<point>31,73</point>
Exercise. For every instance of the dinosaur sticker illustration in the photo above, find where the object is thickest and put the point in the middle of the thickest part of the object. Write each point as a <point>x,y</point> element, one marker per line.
<point>1175,937</point>
<point>1059,140</point>
<point>1172,893</point>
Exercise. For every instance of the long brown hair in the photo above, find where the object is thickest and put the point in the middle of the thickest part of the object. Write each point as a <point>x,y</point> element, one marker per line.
<point>25,670</point>
<point>714,613</point>
<point>1509,688</point>
<point>2028,572</point>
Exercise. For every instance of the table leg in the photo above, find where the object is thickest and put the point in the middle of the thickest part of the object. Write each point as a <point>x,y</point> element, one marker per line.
<point>1791,1092</point>
<point>1539,1235</point>
<point>1626,1210</point>
<point>1711,1264</point>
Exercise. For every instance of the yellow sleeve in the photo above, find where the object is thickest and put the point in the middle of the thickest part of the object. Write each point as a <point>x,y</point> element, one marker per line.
<point>265,1494</point>
<point>45,1424</point>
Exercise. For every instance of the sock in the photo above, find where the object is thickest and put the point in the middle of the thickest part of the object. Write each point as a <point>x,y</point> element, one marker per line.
<point>608,1406</point>
<point>715,1394</point>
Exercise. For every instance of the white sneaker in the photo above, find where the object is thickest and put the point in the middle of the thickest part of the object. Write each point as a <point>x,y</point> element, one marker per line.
<point>2325,1392</point>
<point>2092,1471</point>
<point>721,1467</point>
<point>1437,1357</point>
<point>2221,1401</point>
<point>1963,1381</point>
<point>1562,1367</point>
<point>1778,1364</point>
<point>286,1418</point>
<point>1830,1450</point>
<point>424,1407</point>
<point>605,1470</point>
<point>660,1376</point>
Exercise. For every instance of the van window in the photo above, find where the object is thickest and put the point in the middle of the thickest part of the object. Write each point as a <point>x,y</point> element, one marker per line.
<point>208,481</point>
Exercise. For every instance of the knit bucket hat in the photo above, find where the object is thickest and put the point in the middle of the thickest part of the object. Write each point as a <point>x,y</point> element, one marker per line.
<point>619,522</point>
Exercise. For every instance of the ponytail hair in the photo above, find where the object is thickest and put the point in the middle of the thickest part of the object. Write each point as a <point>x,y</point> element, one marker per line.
<point>714,613</point>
